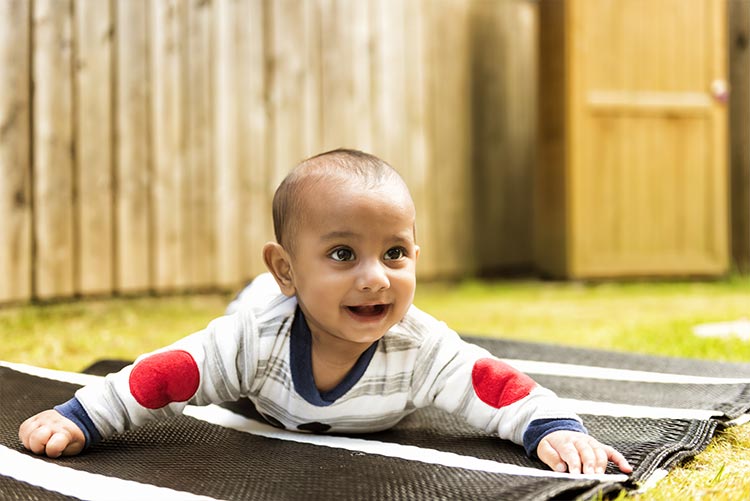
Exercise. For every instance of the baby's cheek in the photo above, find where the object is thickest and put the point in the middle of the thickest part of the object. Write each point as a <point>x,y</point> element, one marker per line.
<point>498,384</point>
<point>163,378</point>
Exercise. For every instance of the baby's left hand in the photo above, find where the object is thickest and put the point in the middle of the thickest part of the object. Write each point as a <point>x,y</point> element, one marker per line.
<point>578,453</point>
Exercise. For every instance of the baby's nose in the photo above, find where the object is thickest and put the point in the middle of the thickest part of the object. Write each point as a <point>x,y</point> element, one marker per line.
<point>373,277</point>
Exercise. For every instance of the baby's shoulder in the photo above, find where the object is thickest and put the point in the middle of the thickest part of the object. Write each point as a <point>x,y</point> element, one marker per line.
<point>263,297</point>
<point>419,329</point>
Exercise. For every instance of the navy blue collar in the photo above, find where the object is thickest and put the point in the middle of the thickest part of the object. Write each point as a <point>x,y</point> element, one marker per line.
<point>300,357</point>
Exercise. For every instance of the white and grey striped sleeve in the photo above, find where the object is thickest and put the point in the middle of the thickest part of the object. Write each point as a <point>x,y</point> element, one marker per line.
<point>213,365</point>
<point>489,394</point>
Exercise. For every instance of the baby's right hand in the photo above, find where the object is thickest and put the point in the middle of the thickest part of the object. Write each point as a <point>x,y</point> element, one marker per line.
<point>51,433</point>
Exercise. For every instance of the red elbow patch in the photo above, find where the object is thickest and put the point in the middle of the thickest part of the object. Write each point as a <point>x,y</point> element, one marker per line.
<point>163,378</point>
<point>498,384</point>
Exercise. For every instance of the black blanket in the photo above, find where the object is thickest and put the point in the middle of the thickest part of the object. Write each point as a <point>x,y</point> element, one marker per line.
<point>656,411</point>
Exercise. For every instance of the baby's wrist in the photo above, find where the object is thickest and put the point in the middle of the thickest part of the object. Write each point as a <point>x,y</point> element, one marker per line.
<point>540,428</point>
<point>74,411</point>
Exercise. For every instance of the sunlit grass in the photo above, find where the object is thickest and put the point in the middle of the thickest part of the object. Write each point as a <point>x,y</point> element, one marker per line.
<point>655,318</point>
<point>71,336</point>
<point>718,473</point>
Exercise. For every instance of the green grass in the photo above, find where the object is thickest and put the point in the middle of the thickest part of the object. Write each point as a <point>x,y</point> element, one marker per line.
<point>648,317</point>
<point>655,318</point>
<point>70,336</point>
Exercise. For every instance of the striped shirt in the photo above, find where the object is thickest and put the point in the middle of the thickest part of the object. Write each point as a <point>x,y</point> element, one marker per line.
<point>261,351</point>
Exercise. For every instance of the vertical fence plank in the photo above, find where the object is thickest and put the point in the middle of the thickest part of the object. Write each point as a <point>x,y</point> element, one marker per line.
<point>228,139</point>
<point>93,140</point>
<point>132,148</point>
<point>345,74</point>
<point>389,108</point>
<point>739,119</point>
<point>15,154</point>
<point>256,195</point>
<point>243,203</point>
<point>418,160</point>
<point>197,203</point>
<point>550,196</point>
<point>294,66</point>
<point>450,137</point>
<point>168,111</point>
<point>503,75</point>
<point>53,148</point>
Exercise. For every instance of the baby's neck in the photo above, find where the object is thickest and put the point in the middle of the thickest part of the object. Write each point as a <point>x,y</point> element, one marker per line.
<point>332,360</point>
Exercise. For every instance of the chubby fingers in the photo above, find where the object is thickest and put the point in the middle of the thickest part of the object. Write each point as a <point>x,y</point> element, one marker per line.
<point>618,459</point>
<point>62,443</point>
<point>52,434</point>
<point>574,456</point>
<point>550,456</point>
<point>578,453</point>
<point>31,432</point>
<point>36,439</point>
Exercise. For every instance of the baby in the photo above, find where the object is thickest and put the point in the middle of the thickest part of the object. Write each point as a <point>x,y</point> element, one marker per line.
<point>330,340</point>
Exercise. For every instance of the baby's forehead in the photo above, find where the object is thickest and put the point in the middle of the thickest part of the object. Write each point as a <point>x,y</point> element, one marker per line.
<point>321,192</point>
<point>330,179</point>
<point>340,183</point>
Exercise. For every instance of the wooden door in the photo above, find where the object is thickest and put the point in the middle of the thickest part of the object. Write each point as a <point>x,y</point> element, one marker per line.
<point>645,167</point>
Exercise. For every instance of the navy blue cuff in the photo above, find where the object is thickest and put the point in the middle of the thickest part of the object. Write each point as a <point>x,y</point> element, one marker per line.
<point>540,428</point>
<point>73,410</point>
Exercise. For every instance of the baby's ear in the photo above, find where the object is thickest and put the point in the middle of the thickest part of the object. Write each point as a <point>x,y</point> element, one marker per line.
<point>279,264</point>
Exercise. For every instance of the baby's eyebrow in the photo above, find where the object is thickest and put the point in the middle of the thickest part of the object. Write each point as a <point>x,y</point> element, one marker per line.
<point>397,239</point>
<point>339,234</point>
<point>402,240</point>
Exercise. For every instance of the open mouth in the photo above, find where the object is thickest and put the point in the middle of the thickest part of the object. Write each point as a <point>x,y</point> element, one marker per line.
<point>368,310</point>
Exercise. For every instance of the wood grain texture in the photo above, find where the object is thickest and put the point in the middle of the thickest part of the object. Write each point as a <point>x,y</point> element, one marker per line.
<point>133,267</point>
<point>146,156</point>
<point>94,219</point>
<point>739,127</point>
<point>53,143</point>
<point>640,140</point>
<point>169,108</point>
<point>15,151</point>
<point>504,124</point>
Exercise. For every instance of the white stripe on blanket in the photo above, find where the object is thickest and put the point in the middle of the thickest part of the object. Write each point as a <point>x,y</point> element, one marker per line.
<point>527,366</point>
<point>223,417</point>
<point>594,408</point>
<point>591,372</point>
<point>82,484</point>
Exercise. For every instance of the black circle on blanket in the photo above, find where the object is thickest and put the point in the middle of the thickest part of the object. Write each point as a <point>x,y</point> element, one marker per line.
<point>273,421</point>
<point>314,427</point>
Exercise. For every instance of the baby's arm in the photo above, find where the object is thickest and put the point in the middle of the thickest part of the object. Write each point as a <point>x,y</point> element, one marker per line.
<point>491,395</point>
<point>210,366</point>
<point>578,453</point>
<point>50,433</point>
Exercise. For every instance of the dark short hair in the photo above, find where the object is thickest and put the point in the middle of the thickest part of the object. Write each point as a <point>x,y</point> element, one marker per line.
<point>342,164</point>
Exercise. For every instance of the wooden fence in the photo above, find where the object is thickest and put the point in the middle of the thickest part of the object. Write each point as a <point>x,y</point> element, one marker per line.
<point>141,140</point>
<point>739,129</point>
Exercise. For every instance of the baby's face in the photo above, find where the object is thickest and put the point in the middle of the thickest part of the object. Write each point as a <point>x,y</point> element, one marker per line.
<point>354,260</point>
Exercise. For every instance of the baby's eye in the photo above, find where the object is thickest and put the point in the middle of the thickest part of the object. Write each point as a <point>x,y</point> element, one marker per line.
<point>342,254</point>
<point>394,254</point>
